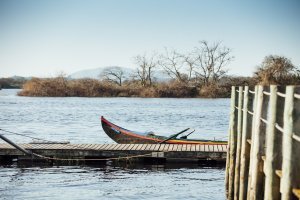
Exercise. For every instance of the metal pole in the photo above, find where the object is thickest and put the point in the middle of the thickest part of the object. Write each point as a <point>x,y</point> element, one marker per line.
<point>15,145</point>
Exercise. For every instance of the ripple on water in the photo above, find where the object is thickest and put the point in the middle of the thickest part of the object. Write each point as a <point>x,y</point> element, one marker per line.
<point>77,120</point>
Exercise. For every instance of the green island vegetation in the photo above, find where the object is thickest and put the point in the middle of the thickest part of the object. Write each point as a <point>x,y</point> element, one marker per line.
<point>199,73</point>
<point>12,83</point>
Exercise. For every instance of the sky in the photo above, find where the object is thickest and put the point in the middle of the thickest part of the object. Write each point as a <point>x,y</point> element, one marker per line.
<point>45,38</point>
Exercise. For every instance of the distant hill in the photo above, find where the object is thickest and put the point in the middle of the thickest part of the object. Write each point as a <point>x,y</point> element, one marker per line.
<point>96,72</point>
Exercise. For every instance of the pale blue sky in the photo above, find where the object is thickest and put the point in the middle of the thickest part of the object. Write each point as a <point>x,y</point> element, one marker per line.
<point>42,38</point>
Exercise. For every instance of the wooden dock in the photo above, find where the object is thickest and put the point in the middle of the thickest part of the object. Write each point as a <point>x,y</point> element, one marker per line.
<point>85,152</point>
<point>263,160</point>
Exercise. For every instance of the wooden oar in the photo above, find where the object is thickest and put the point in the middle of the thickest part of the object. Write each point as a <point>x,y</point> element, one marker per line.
<point>185,136</point>
<point>173,136</point>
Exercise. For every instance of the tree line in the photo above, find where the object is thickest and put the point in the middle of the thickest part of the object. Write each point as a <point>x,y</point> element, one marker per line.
<point>203,65</point>
<point>202,72</point>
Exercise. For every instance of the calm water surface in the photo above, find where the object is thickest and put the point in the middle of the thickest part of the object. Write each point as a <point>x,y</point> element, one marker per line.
<point>77,120</point>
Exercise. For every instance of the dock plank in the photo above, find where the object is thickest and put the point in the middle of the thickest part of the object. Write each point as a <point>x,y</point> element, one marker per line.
<point>188,147</point>
<point>156,147</point>
<point>74,150</point>
<point>99,146</point>
<point>104,147</point>
<point>130,147</point>
<point>211,148</point>
<point>120,147</point>
<point>193,148</point>
<point>166,147</point>
<point>179,147</point>
<point>162,146</point>
<point>110,147</point>
<point>144,147</point>
<point>125,146</point>
<point>222,148</point>
<point>90,147</point>
<point>151,147</point>
<point>147,147</point>
<point>174,148</point>
<point>139,147</point>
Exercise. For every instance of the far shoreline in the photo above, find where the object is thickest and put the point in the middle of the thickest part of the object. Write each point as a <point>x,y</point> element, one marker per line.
<point>62,87</point>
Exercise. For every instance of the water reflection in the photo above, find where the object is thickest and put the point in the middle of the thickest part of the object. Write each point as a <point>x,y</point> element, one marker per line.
<point>113,182</point>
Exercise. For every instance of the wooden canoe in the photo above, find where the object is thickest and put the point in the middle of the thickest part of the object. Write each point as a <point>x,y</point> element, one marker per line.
<point>124,136</point>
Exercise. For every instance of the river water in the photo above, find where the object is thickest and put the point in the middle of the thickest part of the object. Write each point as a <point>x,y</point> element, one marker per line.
<point>78,120</point>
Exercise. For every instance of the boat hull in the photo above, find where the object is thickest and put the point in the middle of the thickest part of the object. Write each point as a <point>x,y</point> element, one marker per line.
<point>124,136</point>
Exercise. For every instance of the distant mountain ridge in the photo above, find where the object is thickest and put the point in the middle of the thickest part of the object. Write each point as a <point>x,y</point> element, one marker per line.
<point>95,73</point>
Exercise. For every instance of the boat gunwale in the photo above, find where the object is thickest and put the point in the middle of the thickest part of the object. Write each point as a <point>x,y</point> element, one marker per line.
<point>172,141</point>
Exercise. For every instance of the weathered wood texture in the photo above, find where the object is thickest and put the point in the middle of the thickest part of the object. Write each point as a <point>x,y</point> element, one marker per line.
<point>264,144</point>
<point>245,146</point>
<point>232,143</point>
<point>170,151</point>
<point>239,143</point>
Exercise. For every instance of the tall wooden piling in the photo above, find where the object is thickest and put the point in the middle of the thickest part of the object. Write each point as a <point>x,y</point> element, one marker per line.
<point>287,152</point>
<point>273,140</point>
<point>256,183</point>
<point>233,141</point>
<point>245,146</point>
<point>251,139</point>
<point>238,145</point>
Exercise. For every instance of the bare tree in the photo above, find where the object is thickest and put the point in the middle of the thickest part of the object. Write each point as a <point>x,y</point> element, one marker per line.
<point>113,74</point>
<point>211,61</point>
<point>173,64</point>
<point>277,70</point>
<point>189,61</point>
<point>146,65</point>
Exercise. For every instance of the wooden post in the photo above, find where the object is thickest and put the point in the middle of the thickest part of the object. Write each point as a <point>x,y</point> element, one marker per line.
<point>296,143</point>
<point>287,151</point>
<point>229,140</point>
<point>252,138</point>
<point>232,144</point>
<point>227,164</point>
<point>238,146</point>
<point>273,144</point>
<point>256,185</point>
<point>232,105</point>
<point>245,146</point>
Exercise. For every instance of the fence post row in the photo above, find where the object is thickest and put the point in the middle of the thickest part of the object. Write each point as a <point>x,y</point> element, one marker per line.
<point>263,156</point>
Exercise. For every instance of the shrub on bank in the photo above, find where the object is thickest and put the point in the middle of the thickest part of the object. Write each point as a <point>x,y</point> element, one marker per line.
<point>62,87</point>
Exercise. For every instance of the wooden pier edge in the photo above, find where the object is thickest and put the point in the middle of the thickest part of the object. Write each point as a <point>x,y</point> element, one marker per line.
<point>264,142</point>
<point>171,153</point>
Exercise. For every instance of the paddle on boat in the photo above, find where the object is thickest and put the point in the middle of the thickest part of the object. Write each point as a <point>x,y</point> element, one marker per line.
<point>124,136</point>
